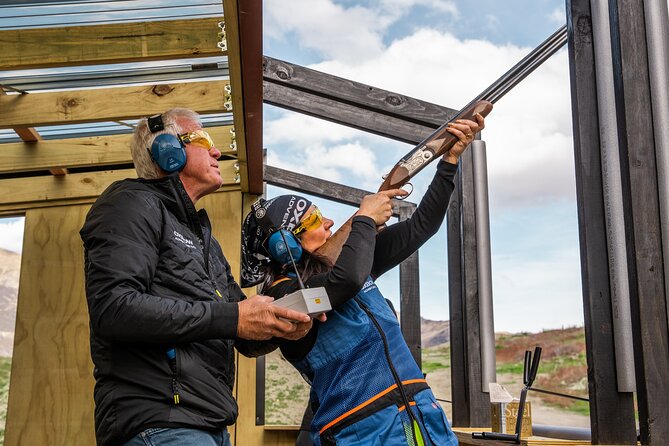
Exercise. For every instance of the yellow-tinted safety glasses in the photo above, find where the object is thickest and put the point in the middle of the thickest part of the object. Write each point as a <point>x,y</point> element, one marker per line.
<point>199,137</point>
<point>311,221</point>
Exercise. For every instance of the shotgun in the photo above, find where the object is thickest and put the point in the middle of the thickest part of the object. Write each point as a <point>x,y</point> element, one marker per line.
<point>441,141</point>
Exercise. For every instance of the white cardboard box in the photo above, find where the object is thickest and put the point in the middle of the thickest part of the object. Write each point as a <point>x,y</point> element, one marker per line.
<point>311,301</point>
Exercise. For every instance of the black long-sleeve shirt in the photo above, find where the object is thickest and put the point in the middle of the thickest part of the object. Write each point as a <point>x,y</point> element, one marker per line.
<point>367,252</point>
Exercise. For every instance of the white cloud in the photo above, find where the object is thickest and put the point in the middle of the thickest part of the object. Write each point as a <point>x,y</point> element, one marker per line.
<point>442,6</point>
<point>333,163</point>
<point>528,134</point>
<point>350,34</point>
<point>558,16</point>
<point>11,234</point>
<point>321,25</point>
<point>295,128</point>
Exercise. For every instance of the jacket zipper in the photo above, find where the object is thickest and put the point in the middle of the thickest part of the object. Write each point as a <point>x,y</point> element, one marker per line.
<point>414,424</point>
<point>172,358</point>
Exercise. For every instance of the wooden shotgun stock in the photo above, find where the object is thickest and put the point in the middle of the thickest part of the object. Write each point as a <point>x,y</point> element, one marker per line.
<point>431,148</point>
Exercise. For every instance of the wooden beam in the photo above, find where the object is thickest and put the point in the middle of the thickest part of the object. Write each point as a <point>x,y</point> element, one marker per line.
<point>250,42</point>
<point>18,209</point>
<point>643,218</point>
<point>410,296</point>
<point>20,192</point>
<point>106,44</point>
<point>362,96</point>
<point>27,134</point>
<point>83,152</point>
<point>349,103</point>
<point>479,401</point>
<point>109,104</point>
<point>317,187</point>
<point>611,412</point>
<point>236,96</point>
<point>345,114</point>
<point>458,335</point>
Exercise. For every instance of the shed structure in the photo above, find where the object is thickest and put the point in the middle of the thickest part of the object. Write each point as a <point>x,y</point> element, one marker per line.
<point>66,139</point>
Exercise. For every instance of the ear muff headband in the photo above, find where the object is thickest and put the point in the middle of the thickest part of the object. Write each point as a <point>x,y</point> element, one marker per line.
<point>276,247</point>
<point>167,151</point>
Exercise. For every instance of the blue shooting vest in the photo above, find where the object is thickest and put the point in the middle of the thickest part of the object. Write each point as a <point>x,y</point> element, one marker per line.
<point>354,388</point>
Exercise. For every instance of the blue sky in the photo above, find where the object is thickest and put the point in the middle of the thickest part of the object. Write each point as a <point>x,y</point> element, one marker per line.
<point>444,52</point>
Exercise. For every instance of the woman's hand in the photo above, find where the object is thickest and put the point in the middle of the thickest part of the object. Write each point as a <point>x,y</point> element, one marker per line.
<point>379,206</point>
<point>464,130</point>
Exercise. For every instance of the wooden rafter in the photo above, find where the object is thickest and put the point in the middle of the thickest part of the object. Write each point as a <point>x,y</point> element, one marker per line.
<point>83,152</point>
<point>30,135</point>
<point>350,103</point>
<point>109,104</point>
<point>106,44</point>
<point>323,188</point>
<point>20,193</point>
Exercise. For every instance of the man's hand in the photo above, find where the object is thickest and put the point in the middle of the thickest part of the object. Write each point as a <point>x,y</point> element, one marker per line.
<point>302,328</point>
<point>259,320</point>
<point>379,206</point>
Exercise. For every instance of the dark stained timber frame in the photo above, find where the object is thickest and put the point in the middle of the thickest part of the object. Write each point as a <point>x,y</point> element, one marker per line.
<point>611,412</point>
<point>642,217</point>
<point>478,401</point>
<point>350,103</point>
<point>459,381</point>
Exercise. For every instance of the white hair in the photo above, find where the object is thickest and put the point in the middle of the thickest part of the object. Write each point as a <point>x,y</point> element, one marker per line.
<point>140,146</point>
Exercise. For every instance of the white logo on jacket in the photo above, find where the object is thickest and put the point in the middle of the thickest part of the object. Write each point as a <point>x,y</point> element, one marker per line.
<point>180,238</point>
<point>368,286</point>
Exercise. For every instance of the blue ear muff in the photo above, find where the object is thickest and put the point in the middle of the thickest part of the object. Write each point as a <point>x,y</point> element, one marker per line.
<point>168,152</point>
<point>278,249</point>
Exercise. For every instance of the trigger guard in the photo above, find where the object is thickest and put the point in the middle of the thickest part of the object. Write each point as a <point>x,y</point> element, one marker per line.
<point>407,195</point>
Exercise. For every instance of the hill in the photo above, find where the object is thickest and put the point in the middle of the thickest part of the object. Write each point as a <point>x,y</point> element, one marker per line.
<point>562,369</point>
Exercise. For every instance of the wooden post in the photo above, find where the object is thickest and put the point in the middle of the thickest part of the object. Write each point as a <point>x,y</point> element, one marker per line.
<point>459,381</point>
<point>410,296</point>
<point>611,412</point>
<point>466,307</point>
<point>642,217</point>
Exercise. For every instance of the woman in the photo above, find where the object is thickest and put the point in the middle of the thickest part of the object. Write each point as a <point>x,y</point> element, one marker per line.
<point>361,372</point>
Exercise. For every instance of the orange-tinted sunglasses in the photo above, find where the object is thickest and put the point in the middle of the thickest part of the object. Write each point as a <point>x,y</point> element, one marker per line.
<point>311,221</point>
<point>199,137</point>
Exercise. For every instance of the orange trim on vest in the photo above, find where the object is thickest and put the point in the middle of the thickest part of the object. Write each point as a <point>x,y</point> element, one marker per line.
<point>279,281</point>
<point>411,403</point>
<point>367,403</point>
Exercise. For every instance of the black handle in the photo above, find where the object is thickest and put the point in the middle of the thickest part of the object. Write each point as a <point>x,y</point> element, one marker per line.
<point>535,366</point>
<point>526,366</point>
<point>496,436</point>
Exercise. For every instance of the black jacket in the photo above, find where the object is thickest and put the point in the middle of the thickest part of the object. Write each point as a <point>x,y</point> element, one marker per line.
<point>156,280</point>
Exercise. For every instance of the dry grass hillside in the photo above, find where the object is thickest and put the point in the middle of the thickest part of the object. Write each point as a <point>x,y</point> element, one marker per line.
<point>10,265</point>
<point>562,369</point>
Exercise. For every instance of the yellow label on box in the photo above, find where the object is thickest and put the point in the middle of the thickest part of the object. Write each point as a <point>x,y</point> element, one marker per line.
<point>504,416</point>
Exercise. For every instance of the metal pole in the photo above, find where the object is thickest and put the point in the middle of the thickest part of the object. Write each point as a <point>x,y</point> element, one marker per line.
<point>613,198</point>
<point>657,40</point>
<point>486,319</point>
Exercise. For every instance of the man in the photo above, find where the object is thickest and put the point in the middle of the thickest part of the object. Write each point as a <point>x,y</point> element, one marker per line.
<point>165,311</point>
